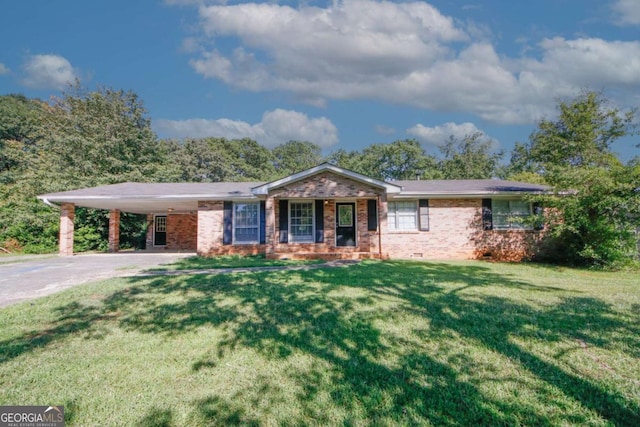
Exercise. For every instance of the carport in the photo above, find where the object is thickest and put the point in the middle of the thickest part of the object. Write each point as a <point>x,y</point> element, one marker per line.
<point>171,208</point>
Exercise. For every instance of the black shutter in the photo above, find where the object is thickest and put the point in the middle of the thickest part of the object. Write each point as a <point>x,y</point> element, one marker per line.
<point>319,221</point>
<point>263,223</point>
<point>538,212</point>
<point>284,221</point>
<point>227,235</point>
<point>487,215</point>
<point>423,212</point>
<point>372,215</point>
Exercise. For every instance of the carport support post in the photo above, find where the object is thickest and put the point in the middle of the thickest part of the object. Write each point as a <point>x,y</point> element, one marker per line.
<point>67,215</point>
<point>114,230</point>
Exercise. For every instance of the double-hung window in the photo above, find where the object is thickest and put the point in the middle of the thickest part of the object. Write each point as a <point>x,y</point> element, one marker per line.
<point>511,214</point>
<point>301,221</point>
<point>402,215</point>
<point>246,223</point>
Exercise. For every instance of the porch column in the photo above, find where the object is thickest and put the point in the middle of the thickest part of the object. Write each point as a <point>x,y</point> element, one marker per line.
<point>149,240</point>
<point>114,230</point>
<point>270,226</point>
<point>67,215</point>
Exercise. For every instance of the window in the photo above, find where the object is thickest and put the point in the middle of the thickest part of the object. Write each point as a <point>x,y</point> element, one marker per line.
<point>246,222</point>
<point>511,214</point>
<point>403,215</point>
<point>301,221</point>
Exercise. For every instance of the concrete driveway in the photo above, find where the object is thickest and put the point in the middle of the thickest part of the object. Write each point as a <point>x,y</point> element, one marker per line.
<point>28,277</point>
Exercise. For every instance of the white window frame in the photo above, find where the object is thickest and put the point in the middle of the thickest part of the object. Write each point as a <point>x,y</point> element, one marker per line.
<point>306,239</point>
<point>235,226</point>
<point>393,219</point>
<point>505,220</point>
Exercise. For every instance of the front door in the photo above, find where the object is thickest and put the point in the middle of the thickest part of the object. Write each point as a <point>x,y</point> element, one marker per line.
<point>160,231</point>
<point>345,224</point>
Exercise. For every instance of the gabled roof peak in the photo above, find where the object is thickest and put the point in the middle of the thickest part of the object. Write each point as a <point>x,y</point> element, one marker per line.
<point>324,167</point>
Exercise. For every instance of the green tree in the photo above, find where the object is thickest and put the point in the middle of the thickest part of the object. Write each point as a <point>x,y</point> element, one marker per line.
<point>249,160</point>
<point>595,196</point>
<point>402,159</point>
<point>295,156</point>
<point>469,158</point>
<point>198,160</point>
<point>98,137</point>
<point>79,140</point>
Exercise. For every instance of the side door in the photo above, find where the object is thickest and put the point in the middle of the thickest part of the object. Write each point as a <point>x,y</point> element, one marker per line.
<point>160,230</point>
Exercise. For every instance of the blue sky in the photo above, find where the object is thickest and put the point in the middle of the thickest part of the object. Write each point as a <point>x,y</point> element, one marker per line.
<point>342,74</point>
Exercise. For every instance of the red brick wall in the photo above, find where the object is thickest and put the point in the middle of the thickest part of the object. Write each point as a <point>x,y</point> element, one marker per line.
<point>456,232</point>
<point>210,231</point>
<point>326,185</point>
<point>182,231</point>
<point>451,226</point>
<point>366,241</point>
<point>455,227</point>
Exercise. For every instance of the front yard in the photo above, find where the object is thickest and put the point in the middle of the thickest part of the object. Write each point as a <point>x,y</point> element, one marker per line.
<point>377,343</point>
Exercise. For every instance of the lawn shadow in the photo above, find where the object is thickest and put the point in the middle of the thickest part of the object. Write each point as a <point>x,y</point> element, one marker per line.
<point>279,319</point>
<point>334,315</point>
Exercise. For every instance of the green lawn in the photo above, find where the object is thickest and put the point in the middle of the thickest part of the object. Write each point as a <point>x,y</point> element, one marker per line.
<point>231,261</point>
<point>377,343</point>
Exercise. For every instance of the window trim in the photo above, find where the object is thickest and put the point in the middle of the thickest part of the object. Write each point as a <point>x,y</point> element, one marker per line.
<point>395,228</point>
<point>508,225</point>
<point>312,236</point>
<point>234,226</point>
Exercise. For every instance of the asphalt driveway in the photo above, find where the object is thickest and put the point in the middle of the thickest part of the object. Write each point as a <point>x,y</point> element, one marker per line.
<point>28,277</point>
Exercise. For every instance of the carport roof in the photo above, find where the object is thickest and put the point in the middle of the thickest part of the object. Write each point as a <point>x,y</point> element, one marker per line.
<point>138,197</point>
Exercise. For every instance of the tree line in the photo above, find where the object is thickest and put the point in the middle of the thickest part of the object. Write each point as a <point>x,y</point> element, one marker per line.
<point>89,138</point>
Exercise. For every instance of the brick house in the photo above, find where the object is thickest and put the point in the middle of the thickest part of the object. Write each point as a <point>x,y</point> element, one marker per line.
<point>323,212</point>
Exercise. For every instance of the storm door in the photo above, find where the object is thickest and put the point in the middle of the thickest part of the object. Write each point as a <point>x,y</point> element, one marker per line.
<point>345,224</point>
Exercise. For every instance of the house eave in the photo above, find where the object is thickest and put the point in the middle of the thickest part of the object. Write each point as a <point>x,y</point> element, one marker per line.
<point>459,195</point>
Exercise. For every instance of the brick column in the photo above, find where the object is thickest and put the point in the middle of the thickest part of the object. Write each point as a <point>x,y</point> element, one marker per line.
<point>67,215</point>
<point>150,224</point>
<point>114,230</point>
<point>270,226</point>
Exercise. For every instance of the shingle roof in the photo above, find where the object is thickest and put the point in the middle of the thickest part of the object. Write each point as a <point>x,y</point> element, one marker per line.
<point>183,197</point>
<point>467,187</point>
<point>143,198</point>
<point>140,189</point>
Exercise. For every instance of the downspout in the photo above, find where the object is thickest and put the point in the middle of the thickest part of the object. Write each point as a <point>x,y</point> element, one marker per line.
<point>379,229</point>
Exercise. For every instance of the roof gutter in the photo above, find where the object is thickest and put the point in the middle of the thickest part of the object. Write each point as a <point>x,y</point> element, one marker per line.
<point>48,203</point>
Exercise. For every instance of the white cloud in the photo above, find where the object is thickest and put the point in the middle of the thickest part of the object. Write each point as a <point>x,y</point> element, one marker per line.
<point>48,72</point>
<point>627,12</point>
<point>311,50</point>
<point>190,45</point>
<point>404,53</point>
<point>438,135</point>
<point>384,130</point>
<point>277,127</point>
<point>4,69</point>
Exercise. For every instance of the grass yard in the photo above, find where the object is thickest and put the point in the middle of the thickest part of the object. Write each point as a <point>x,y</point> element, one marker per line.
<point>377,343</point>
<point>231,261</point>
